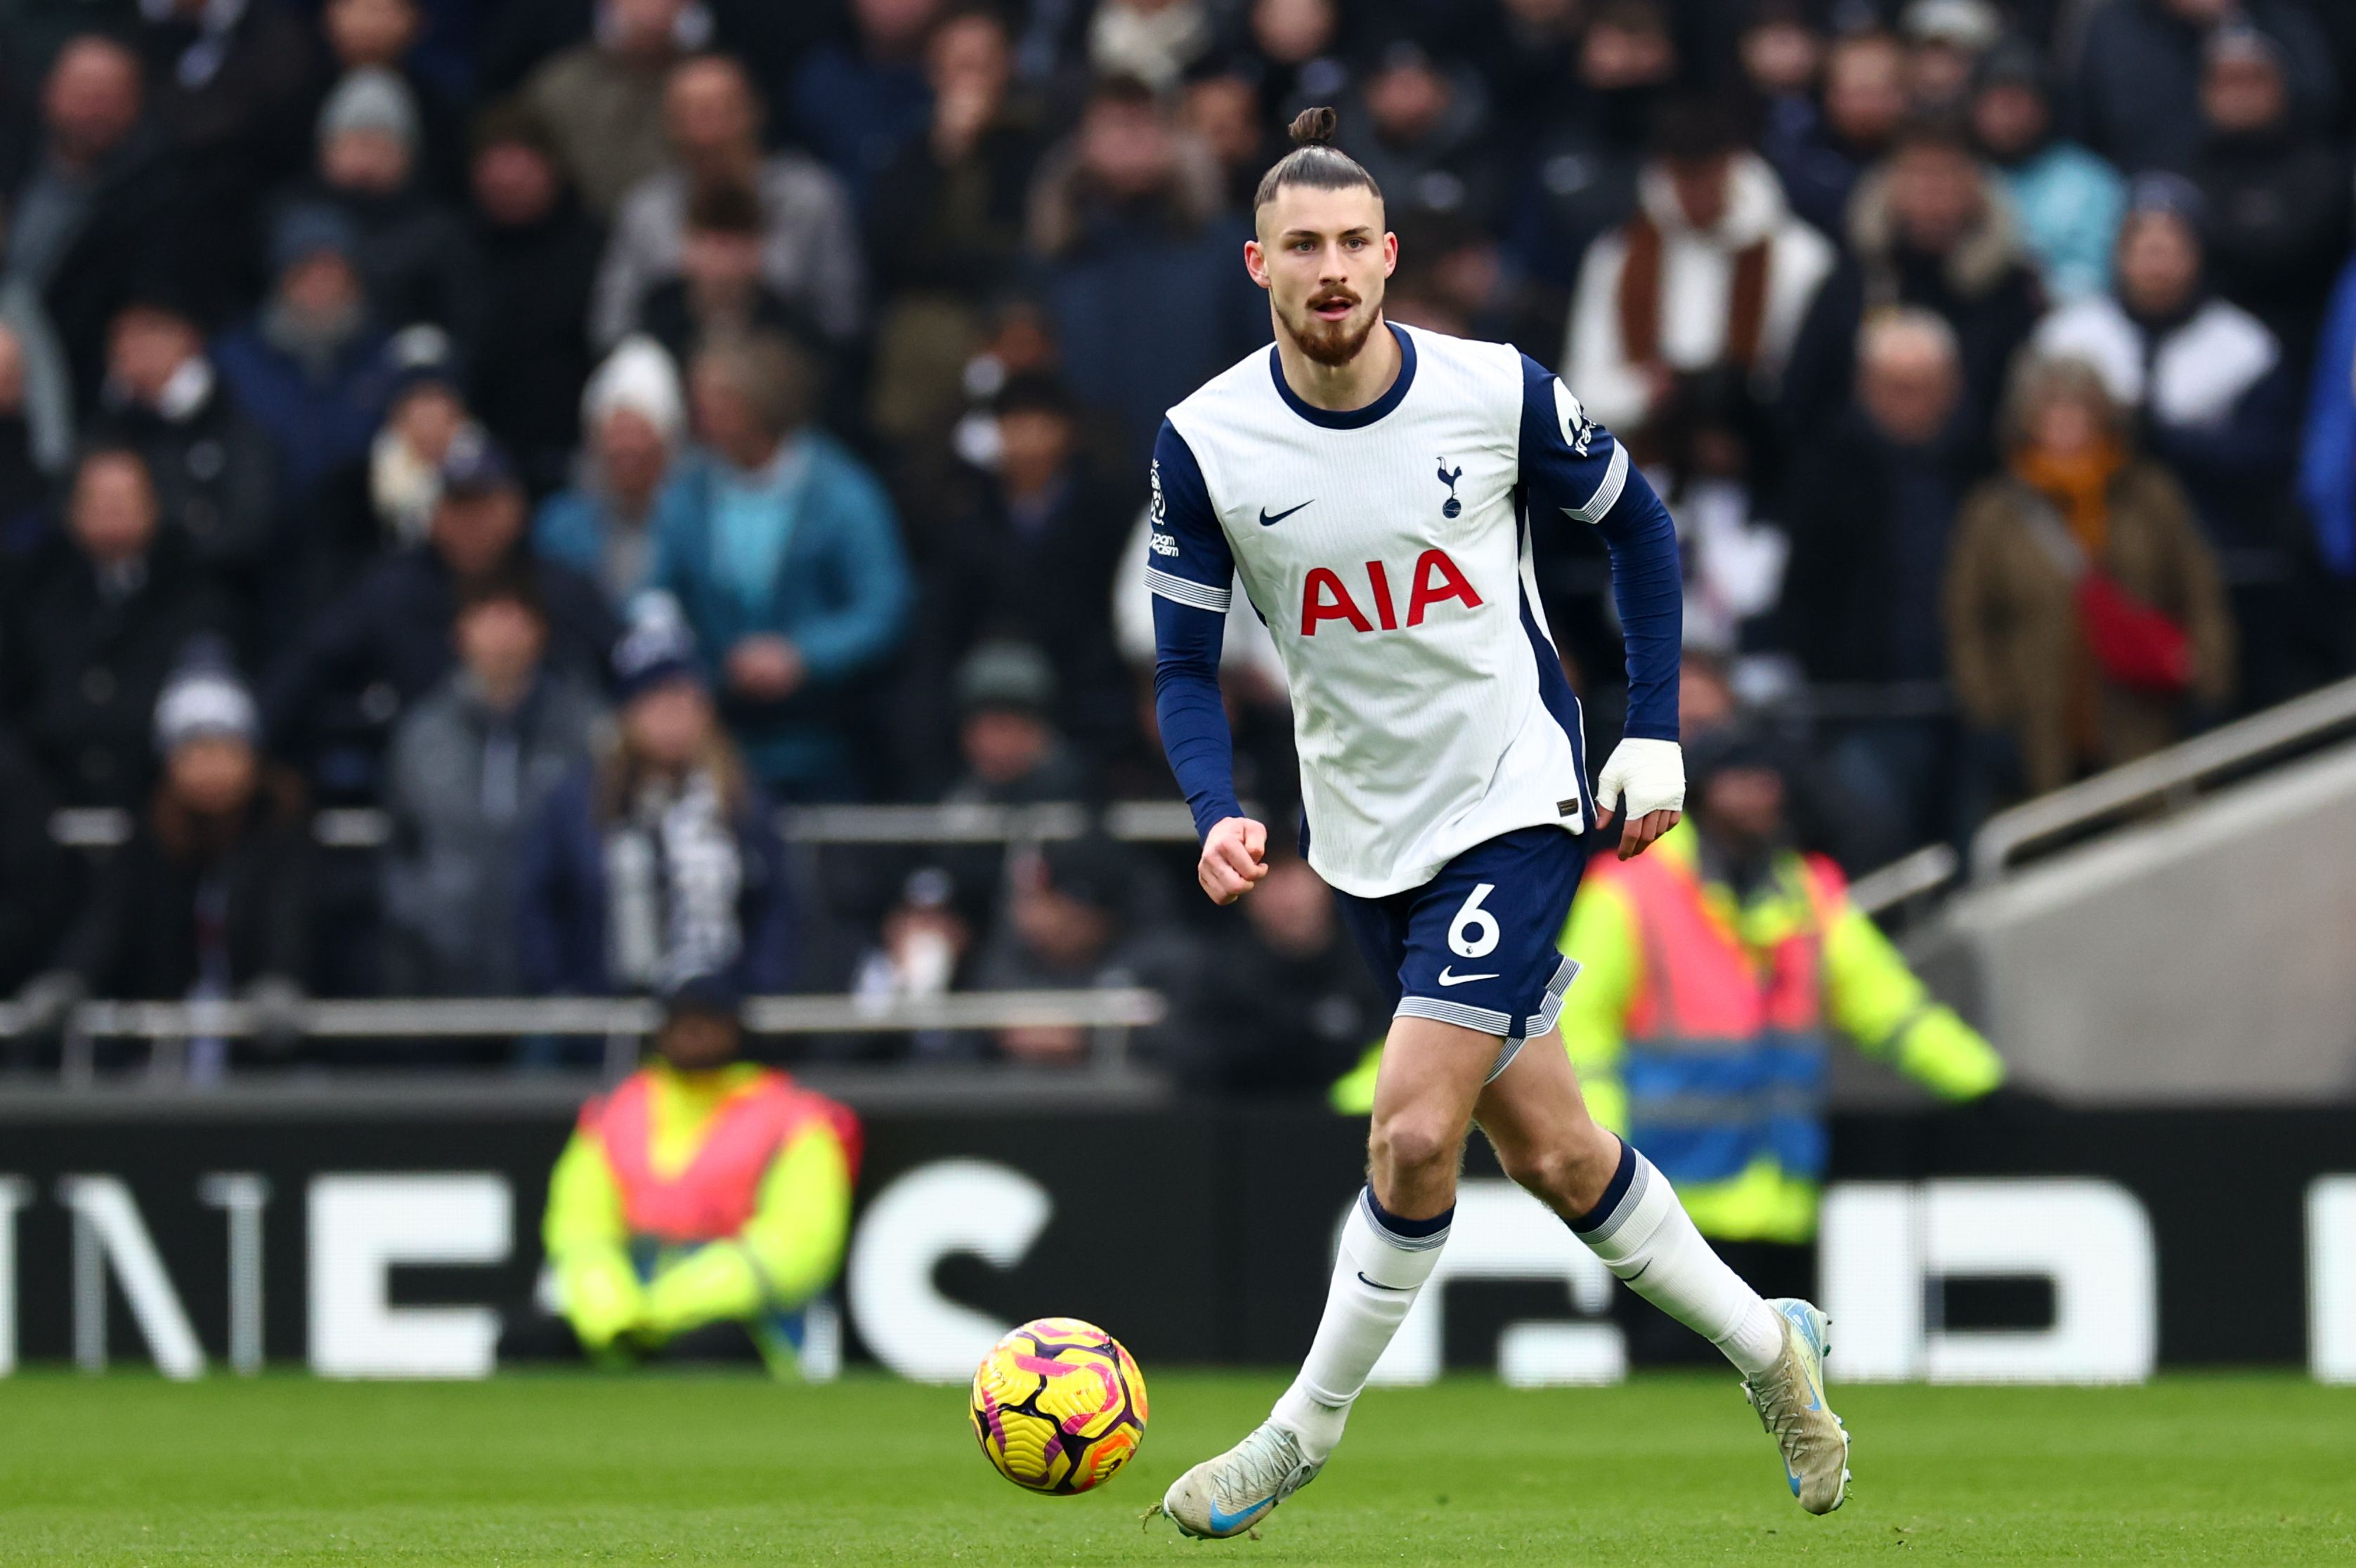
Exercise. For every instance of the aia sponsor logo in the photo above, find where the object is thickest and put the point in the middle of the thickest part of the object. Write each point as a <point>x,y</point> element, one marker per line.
<point>1433,580</point>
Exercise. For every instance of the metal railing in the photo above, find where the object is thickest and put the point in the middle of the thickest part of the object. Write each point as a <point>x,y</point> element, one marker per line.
<point>2165,781</point>
<point>1108,1014</point>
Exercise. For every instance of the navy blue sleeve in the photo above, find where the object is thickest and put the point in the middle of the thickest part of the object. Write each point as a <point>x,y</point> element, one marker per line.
<point>1571,465</point>
<point>1190,574</point>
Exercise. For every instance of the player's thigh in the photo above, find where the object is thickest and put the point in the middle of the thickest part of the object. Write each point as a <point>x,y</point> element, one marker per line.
<point>1430,1077</point>
<point>1536,1119</point>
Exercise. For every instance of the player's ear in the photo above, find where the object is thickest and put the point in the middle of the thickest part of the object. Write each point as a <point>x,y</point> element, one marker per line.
<point>1390,252</point>
<point>1256,262</point>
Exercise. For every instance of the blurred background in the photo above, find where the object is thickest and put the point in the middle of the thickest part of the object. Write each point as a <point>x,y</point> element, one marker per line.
<point>512,510</point>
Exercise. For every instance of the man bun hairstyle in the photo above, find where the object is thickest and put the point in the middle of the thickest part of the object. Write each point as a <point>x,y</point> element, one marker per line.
<point>1315,161</point>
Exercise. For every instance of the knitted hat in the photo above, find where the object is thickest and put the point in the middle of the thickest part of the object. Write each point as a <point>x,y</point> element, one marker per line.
<point>307,230</point>
<point>474,466</point>
<point>657,650</point>
<point>204,698</point>
<point>639,376</point>
<point>1006,677</point>
<point>371,98</point>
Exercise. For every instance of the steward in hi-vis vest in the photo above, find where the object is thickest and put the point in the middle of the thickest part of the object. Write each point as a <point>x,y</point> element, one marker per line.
<point>1712,971</point>
<point>703,1196</point>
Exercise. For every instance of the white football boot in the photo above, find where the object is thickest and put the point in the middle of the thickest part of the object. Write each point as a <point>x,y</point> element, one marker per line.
<point>1790,1399</point>
<point>1228,1495</point>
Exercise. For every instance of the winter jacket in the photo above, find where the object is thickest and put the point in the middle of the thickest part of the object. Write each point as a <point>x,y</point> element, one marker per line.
<point>859,114</point>
<point>605,115</point>
<point>840,592</point>
<point>580,527</point>
<point>2137,96</point>
<point>809,247</point>
<point>416,257</point>
<point>2327,465</point>
<point>1984,287</point>
<point>216,473</point>
<point>1693,306</point>
<point>564,934</point>
<point>83,666</point>
<point>531,354</point>
<point>317,425</point>
<point>138,934</point>
<point>2014,640</point>
<point>464,785</point>
<point>2217,402</point>
<point>2069,203</point>
<point>2278,227</point>
<point>334,697</point>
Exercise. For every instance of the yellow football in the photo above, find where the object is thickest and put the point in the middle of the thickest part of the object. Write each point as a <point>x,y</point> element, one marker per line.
<point>1058,1407</point>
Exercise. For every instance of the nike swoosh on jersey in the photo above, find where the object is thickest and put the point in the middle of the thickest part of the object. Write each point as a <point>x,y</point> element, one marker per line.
<point>1268,522</point>
<point>1448,979</point>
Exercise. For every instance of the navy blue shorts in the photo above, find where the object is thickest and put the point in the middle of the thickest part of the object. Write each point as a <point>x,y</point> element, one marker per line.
<point>1476,946</point>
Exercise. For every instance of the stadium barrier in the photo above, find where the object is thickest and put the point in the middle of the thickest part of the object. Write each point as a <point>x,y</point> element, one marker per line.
<point>386,1235</point>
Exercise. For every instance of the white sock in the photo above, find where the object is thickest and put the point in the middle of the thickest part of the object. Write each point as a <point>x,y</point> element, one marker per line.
<point>1643,1235</point>
<point>1382,1263</point>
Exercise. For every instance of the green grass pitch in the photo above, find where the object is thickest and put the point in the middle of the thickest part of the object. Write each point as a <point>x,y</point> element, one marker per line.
<point>676,1469</point>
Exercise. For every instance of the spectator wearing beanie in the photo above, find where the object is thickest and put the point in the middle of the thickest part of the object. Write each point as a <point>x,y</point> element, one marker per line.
<point>540,253</point>
<point>633,418</point>
<point>810,241</point>
<point>416,257</point>
<point>1948,39</point>
<point>310,367</point>
<point>2137,94</point>
<point>2068,201</point>
<point>1927,229</point>
<point>658,857</point>
<point>470,767</point>
<point>95,623</point>
<point>2277,191</point>
<point>212,898</point>
<point>783,552</point>
<point>1714,272</point>
<point>385,34</point>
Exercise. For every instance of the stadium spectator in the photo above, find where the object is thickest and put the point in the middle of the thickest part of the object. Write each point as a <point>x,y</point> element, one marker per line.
<point>470,768</point>
<point>1421,126</point>
<point>96,623</point>
<point>1708,472</point>
<point>944,227</point>
<point>365,657</point>
<point>602,99</point>
<point>858,105</point>
<point>415,257</point>
<point>210,898</point>
<point>2214,397</point>
<point>385,35</point>
<point>310,367</point>
<point>1722,1067</point>
<point>1947,40</point>
<point>1821,158</point>
<point>2139,85</point>
<point>2278,197</point>
<point>1220,107</point>
<point>540,253</point>
<point>384,500</point>
<point>810,244</point>
<point>215,473</point>
<point>717,291</point>
<point>1031,560</point>
<point>1151,41</point>
<point>93,205</point>
<point>1077,917</point>
<point>785,554</point>
<point>1127,209</point>
<point>1871,510</point>
<point>1712,271</point>
<point>2067,200</point>
<point>1007,735</point>
<point>1924,229</point>
<point>657,859</point>
<point>1583,168</point>
<point>23,458</point>
<point>635,415</point>
<point>703,1206</point>
<point>2086,623</point>
<point>1293,1008</point>
<point>1300,43</point>
<point>1524,56</point>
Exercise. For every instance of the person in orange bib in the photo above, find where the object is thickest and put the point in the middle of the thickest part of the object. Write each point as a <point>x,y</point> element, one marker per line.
<point>703,1201</point>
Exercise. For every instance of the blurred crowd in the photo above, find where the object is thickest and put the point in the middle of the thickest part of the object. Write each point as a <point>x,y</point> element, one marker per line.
<point>574,428</point>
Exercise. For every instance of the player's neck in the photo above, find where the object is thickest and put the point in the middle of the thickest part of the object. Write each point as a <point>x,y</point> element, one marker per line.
<point>1340,389</point>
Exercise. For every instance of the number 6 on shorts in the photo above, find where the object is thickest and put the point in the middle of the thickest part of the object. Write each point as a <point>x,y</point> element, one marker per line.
<point>1474,932</point>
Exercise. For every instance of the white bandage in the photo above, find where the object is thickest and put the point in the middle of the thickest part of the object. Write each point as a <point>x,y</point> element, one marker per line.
<point>1650,775</point>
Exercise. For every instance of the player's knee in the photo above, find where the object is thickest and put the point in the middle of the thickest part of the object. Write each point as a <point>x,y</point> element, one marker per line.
<point>1548,1174</point>
<point>1412,1142</point>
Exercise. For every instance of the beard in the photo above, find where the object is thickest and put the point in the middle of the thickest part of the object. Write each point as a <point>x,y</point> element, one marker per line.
<point>1331,343</point>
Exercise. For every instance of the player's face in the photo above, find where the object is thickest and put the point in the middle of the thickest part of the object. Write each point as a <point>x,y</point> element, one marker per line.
<point>1323,256</point>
